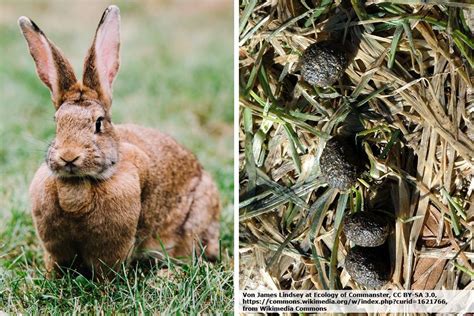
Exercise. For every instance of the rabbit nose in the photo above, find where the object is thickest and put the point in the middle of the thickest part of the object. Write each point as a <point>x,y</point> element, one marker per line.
<point>69,162</point>
<point>69,158</point>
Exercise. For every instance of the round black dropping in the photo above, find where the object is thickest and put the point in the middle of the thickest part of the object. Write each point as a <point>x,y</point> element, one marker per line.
<point>366,229</point>
<point>323,63</point>
<point>340,163</point>
<point>369,267</point>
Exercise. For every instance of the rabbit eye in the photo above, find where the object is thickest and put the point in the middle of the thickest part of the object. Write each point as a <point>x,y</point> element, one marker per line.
<point>98,124</point>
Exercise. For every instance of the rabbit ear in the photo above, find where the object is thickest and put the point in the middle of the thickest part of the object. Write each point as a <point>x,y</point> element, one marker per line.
<point>102,62</point>
<point>52,67</point>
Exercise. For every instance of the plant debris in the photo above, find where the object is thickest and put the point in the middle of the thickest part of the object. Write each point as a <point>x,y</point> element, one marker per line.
<point>409,83</point>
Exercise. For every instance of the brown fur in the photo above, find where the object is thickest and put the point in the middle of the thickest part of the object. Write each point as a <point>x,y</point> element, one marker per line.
<point>110,193</point>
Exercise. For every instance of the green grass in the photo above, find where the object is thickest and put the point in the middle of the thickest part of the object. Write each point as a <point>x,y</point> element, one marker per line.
<point>176,75</point>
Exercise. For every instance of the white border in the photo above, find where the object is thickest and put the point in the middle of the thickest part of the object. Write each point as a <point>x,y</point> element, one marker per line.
<point>236,154</point>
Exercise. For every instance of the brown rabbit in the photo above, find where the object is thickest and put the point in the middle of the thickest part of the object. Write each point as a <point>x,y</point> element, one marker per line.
<point>111,193</point>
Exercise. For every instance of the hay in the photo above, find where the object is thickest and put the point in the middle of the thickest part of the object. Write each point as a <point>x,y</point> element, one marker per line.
<point>407,95</point>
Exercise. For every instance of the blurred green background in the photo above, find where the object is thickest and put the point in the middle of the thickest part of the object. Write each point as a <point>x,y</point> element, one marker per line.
<point>176,75</point>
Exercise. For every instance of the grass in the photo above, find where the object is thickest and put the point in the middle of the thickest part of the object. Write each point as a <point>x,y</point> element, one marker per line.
<point>409,89</point>
<point>176,75</point>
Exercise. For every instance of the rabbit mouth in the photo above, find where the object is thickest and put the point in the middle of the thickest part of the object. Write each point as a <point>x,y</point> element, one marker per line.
<point>75,172</point>
<point>72,170</point>
<point>101,173</point>
<point>69,172</point>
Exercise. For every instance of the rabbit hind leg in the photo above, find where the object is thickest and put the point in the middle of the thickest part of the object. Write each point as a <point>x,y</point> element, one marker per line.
<point>201,228</point>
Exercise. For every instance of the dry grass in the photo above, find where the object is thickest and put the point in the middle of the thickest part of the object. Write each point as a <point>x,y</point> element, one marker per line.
<point>409,85</point>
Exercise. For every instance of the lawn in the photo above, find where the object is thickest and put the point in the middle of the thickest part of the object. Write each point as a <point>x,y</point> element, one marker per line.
<point>176,75</point>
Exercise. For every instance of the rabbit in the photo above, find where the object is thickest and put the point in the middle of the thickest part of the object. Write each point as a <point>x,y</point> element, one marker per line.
<point>109,194</point>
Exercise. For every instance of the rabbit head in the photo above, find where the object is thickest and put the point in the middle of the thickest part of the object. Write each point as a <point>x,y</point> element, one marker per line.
<point>86,143</point>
